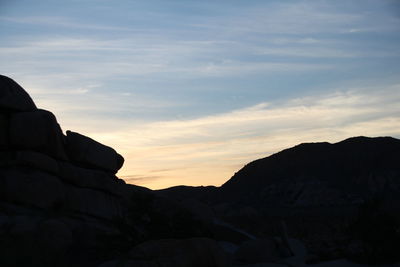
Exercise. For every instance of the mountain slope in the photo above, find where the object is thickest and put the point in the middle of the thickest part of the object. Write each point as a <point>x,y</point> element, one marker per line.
<point>319,174</point>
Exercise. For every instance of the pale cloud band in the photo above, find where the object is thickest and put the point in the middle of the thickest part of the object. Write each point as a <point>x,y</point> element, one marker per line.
<point>210,149</point>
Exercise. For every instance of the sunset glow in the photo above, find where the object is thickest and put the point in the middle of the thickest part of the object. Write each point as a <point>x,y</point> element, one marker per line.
<point>189,92</point>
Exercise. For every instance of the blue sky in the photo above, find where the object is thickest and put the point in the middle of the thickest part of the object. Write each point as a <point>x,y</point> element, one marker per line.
<point>190,91</point>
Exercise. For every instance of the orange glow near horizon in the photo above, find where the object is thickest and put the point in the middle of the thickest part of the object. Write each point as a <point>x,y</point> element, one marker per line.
<point>209,150</point>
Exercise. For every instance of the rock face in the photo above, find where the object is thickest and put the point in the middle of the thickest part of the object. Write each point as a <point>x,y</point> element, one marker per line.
<point>85,150</point>
<point>14,97</point>
<point>180,253</point>
<point>39,131</point>
<point>37,170</point>
<point>259,250</point>
<point>47,197</point>
<point>3,131</point>
<point>196,252</point>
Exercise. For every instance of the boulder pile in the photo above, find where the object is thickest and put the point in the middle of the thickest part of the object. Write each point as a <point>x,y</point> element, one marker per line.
<point>44,168</point>
<point>55,189</point>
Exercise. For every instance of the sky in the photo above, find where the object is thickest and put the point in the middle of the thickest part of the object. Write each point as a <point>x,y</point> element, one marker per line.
<point>191,91</point>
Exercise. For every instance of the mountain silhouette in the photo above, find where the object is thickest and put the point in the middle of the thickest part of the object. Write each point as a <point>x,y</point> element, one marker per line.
<point>319,174</point>
<point>310,175</point>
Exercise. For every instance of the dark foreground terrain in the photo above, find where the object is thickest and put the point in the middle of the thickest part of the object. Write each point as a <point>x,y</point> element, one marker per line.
<point>316,204</point>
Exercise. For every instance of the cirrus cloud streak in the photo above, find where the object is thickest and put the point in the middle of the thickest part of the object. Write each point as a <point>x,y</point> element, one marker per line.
<point>208,150</point>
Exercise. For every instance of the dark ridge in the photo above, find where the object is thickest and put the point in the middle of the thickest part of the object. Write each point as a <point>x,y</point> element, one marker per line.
<point>349,163</point>
<point>203,193</point>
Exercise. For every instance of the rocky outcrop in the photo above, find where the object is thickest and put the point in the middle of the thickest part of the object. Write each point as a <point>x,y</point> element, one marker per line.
<point>194,252</point>
<point>258,250</point>
<point>44,168</point>
<point>62,205</point>
<point>13,96</point>
<point>51,196</point>
<point>38,131</point>
<point>85,150</point>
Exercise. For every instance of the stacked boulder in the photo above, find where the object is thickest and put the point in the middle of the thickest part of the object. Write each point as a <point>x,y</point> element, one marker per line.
<point>55,189</point>
<point>75,171</point>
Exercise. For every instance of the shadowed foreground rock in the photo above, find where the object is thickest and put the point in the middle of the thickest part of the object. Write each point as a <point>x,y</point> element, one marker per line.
<point>195,252</point>
<point>85,150</point>
<point>14,97</point>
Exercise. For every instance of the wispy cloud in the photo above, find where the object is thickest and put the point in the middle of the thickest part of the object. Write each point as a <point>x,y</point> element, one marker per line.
<point>273,37</point>
<point>306,17</point>
<point>57,21</point>
<point>208,150</point>
<point>137,179</point>
<point>132,56</point>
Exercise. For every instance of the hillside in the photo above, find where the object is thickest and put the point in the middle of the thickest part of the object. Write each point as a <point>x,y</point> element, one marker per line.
<point>319,174</point>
